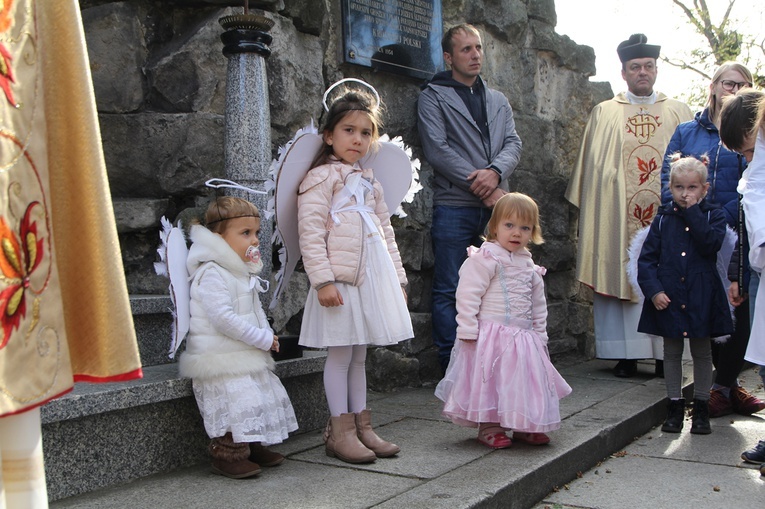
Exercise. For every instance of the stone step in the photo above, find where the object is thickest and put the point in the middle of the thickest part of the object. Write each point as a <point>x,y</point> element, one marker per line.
<point>153,321</point>
<point>101,435</point>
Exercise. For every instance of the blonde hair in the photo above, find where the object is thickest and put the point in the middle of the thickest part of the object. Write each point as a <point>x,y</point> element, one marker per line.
<point>689,164</point>
<point>713,104</point>
<point>227,207</point>
<point>522,207</point>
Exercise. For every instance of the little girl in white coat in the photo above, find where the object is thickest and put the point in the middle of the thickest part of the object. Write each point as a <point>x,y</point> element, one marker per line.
<point>243,403</point>
<point>357,295</point>
<point>500,377</point>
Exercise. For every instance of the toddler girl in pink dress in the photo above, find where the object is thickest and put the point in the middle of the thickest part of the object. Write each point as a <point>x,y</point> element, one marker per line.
<point>500,377</point>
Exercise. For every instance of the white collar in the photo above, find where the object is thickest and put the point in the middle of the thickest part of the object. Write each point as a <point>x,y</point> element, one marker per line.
<point>639,99</point>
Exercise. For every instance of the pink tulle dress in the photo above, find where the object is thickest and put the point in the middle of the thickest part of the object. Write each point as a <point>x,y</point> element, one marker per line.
<point>505,375</point>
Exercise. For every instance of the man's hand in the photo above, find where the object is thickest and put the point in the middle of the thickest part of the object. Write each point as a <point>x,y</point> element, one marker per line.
<point>485,181</point>
<point>493,197</point>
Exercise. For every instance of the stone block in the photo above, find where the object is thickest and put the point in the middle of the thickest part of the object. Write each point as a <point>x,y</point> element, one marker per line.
<point>387,370</point>
<point>295,79</point>
<point>167,154</point>
<point>411,246</point>
<point>117,52</point>
<point>136,214</point>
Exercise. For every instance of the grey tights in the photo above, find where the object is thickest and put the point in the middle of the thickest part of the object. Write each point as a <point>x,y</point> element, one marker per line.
<point>701,352</point>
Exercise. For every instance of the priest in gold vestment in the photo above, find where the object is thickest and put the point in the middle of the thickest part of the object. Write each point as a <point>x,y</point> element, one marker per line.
<point>616,184</point>
<point>65,310</point>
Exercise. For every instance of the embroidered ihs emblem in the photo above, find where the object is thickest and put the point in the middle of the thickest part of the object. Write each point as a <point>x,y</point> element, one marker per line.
<point>642,125</point>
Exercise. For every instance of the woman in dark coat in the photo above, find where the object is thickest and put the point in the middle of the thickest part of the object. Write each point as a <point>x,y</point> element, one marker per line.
<point>684,295</point>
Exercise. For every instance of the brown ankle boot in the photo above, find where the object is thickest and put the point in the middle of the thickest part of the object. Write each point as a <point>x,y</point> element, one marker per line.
<point>230,458</point>
<point>369,438</point>
<point>263,456</point>
<point>343,443</point>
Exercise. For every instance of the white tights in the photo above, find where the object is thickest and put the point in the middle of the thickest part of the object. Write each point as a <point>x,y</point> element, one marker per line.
<point>22,472</point>
<point>345,379</point>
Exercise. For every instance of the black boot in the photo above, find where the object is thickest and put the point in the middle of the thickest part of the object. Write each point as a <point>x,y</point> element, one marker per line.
<point>675,415</point>
<point>700,420</point>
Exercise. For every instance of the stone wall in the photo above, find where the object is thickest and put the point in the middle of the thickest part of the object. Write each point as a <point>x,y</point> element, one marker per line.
<point>159,78</point>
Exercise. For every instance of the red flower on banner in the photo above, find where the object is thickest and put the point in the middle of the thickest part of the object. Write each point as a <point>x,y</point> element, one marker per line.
<point>20,255</point>
<point>646,169</point>
<point>6,72</point>
<point>643,215</point>
<point>6,75</point>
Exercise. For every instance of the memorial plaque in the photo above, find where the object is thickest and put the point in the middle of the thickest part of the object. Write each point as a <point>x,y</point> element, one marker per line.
<point>399,36</point>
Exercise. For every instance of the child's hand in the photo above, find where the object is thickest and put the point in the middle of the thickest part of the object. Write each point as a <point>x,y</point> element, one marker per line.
<point>661,301</point>
<point>329,296</point>
<point>690,200</point>
<point>275,345</point>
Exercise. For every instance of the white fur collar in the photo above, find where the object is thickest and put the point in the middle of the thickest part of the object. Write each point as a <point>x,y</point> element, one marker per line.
<point>210,247</point>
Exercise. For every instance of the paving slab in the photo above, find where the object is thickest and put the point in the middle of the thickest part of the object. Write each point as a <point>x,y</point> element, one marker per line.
<point>659,470</point>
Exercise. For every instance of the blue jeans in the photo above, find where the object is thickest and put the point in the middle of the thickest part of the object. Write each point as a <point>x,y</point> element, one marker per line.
<point>454,229</point>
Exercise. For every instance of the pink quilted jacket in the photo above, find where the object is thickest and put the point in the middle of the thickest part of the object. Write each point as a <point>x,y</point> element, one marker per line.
<point>332,252</point>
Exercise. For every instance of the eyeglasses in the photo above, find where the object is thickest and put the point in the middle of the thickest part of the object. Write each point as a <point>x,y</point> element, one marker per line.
<point>730,86</point>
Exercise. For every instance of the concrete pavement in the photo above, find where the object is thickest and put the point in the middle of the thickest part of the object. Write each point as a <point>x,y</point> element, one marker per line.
<point>442,466</point>
<point>663,470</point>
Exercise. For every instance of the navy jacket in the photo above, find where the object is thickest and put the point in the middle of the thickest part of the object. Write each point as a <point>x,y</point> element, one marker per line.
<point>679,257</point>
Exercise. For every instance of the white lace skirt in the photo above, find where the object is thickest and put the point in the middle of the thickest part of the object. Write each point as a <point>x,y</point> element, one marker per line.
<point>254,407</point>
<point>372,313</point>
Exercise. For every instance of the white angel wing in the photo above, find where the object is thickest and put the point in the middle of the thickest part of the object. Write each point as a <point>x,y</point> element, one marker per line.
<point>294,163</point>
<point>396,171</point>
<point>173,253</point>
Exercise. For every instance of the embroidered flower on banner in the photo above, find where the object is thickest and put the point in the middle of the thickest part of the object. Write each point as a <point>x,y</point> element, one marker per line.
<point>646,168</point>
<point>643,215</point>
<point>6,71</point>
<point>20,255</point>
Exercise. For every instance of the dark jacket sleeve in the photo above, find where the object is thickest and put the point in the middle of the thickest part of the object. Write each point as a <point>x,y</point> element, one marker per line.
<point>707,235</point>
<point>648,262</point>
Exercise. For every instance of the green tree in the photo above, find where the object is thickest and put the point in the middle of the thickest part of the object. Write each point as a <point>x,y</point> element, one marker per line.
<point>723,43</point>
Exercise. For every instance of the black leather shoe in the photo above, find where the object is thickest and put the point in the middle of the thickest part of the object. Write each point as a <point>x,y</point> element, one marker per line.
<point>625,368</point>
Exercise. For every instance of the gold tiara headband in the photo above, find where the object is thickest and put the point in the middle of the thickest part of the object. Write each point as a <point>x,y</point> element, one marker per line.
<point>345,80</point>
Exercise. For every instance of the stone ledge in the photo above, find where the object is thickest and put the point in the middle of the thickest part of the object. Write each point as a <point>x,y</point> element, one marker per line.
<point>159,383</point>
<point>150,304</point>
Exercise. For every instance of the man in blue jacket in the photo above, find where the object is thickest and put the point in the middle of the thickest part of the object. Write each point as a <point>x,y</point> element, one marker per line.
<point>468,136</point>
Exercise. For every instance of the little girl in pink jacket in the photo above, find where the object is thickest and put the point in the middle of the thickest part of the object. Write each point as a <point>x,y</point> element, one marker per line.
<point>357,295</point>
<point>500,377</point>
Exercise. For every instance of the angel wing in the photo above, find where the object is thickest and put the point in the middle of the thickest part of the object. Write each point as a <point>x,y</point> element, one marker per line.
<point>173,253</point>
<point>392,165</point>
